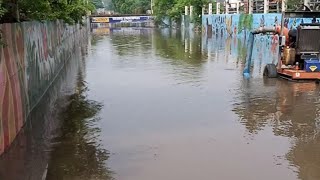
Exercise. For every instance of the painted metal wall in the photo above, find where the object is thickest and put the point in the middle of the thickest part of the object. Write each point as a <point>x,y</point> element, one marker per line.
<point>32,56</point>
<point>241,24</point>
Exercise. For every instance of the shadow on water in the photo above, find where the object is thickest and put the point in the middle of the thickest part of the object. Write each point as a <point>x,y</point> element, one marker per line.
<point>305,155</point>
<point>28,156</point>
<point>78,153</point>
<point>60,139</point>
<point>286,106</point>
<point>292,110</point>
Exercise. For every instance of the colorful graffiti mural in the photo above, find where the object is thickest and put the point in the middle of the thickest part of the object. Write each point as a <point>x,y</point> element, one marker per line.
<point>238,24</point>
<point>32,56</point>
<point>242,24</point>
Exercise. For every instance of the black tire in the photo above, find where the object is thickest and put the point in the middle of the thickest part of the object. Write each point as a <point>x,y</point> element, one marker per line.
<point>270,71</point>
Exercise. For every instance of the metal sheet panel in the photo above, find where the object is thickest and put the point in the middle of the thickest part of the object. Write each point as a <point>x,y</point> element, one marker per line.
<point>308,40</point>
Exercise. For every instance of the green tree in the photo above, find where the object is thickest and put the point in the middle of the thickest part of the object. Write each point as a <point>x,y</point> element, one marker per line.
<point>98,4</point>
<point>71,11</point>
<point>294,4</point>
<point>2,9</point>
<point>175,8</point>
<point>162,8</point>
<point>131,6</point>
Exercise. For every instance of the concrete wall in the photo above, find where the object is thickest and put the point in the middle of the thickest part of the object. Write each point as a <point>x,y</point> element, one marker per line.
<point>31,58</point>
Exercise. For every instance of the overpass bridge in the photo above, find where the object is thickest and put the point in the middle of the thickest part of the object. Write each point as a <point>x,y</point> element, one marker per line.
<point>124,18</point>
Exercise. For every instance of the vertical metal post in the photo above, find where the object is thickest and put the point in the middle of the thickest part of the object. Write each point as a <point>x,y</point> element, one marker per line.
<point>186,9</point>
<point>191,11</point>
<point>265,6</point>
<point>218,8</point>
<point>306,2</point>
<point>283,6</point>
<point>238,7</point>
<point>250,6</point>
<point>226,5</point>
<point>210,8</point>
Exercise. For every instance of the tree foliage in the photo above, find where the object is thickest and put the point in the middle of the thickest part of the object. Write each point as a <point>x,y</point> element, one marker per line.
<point>98,4</point>
<point>294,4</point>
<point>2,9</point>
<point>131,6</point>
<point>175,8</point>
<point>70,11</point>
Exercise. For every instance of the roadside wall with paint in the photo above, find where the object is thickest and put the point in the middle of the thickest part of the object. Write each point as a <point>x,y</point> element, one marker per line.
<point>241,24</point>
<point>32,55</point>
<point>238,27</point>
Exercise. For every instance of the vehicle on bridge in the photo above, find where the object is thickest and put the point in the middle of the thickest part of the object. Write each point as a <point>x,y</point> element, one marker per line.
<point>299,50</point>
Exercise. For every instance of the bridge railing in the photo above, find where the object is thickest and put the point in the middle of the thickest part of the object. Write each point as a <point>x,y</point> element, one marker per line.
<point>224,8</point>
<point>120,18</point>
<point>248,6</point>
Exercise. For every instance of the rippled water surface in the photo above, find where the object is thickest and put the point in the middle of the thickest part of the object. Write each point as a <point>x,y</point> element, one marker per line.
<point>160,104</point>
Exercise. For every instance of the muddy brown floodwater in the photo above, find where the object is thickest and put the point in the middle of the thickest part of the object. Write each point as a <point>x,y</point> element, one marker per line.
<point>165,105</point>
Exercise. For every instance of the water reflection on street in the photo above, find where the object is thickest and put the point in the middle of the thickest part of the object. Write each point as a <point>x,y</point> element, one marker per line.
<point>161,104</point>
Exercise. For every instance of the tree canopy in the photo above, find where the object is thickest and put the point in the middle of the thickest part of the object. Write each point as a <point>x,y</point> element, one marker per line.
<point>98,4</point>
<point>161,8</point>
<point>70,11</point>
<point>131,6</point>
<point>175,8</point>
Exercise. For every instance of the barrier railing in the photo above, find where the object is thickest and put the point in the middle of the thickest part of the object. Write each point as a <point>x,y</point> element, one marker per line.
<point>249,7</point>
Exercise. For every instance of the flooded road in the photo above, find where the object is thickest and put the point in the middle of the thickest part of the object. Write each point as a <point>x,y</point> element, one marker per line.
<point>158,104</point>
